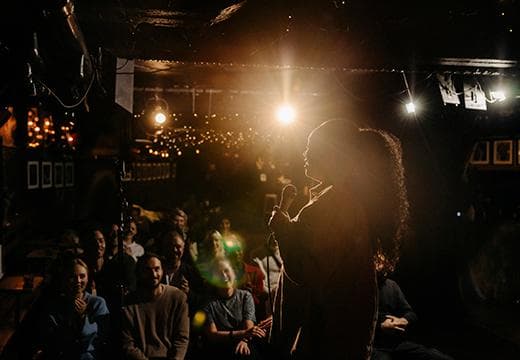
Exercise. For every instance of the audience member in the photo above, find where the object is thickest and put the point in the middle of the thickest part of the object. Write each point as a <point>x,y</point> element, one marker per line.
<point>225,230</point>
<point>249,277</point>
<point>70,243</point>
<point>7,126</point>
<point>131,247</point>
<point>210,249</point>
<point>179,220</point>
<point>95,257</point>
<point>75,323</point>
<point>176,271</point>
<point>395,317</point>
<point>155,319</point>
<point>142,222</point>
<point>230,317</point>
<point>268,259</point>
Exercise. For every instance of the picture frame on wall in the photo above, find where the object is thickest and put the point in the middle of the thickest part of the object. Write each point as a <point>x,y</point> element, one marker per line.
<point>69,174</point>
<point>46,174</point>
<point>518,152</point>
<point>33,175</point>
<point>58,175</point>
<point>480,154</point>
<point>503,152</point>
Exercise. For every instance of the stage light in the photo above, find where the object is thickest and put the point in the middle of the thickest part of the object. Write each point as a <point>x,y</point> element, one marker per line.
<point>159,117</point>
<point>156,110</point>
<point>410,108</point>
<point>286,114</point>
<point>498,95</point>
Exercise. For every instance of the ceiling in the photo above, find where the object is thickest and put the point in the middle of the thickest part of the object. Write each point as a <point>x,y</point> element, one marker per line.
<point>209,42</point>
<point>306,33</point>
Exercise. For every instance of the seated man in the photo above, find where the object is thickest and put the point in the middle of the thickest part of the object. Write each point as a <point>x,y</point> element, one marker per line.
<point>155,319</point>
<point>395,317</point>
<point>176,271</point>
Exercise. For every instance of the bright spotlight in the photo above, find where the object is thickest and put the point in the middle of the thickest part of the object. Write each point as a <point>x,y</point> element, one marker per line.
<point>159,117</point>
<point>286,114</point>
<point>498,95</point>
<point>410,108</point>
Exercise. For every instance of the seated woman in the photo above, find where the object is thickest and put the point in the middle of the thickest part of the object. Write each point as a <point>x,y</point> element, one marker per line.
<point>74,323</point>
<point>210,249</point>
<point>249,276</point>
<point>230,316</point>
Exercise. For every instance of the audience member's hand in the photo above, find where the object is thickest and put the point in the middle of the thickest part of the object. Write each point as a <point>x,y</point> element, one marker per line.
<point>80,306</point>
<point>128,250</point>
<point>255,331</point>
<point>394,323</point>
<point>266,323</point>
<point>242,348</point>
<point>279,219</point>
<point>185,286</point>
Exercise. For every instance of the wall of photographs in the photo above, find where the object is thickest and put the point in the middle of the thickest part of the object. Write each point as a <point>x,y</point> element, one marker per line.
<point>496,153</point>
<point>50,174</point>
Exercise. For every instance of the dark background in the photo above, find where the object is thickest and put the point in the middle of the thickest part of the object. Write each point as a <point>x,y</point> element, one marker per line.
<point>345,59</point>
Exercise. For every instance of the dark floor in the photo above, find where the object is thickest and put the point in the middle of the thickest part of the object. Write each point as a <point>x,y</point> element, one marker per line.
<point>467,340</point>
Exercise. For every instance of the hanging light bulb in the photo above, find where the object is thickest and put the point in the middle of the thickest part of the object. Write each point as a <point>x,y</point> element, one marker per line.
<point>410,107</point>
<point>159,116</point>
<point>498,95</point>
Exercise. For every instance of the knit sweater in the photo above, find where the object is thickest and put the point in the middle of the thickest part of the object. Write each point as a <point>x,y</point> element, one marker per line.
<point>156,328</point>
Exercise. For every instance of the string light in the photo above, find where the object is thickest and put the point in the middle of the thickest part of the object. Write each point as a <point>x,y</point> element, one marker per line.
<point>41,131</point>
<point>183,140</point>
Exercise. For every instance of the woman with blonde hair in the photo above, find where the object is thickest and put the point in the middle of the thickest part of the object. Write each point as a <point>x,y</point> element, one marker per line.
<point>74,323</point>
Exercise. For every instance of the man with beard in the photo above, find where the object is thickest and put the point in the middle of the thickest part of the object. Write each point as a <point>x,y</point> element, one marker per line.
<point>177,272</point>
<point>155,319</point>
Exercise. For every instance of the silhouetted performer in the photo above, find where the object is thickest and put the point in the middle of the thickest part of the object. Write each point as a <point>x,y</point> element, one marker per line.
<point>359,208</point>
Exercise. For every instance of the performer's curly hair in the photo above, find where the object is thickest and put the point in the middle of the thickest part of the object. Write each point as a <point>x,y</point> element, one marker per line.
<point>368,163</point>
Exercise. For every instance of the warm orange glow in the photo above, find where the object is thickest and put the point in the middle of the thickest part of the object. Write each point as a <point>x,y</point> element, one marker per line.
<point>286,114</point>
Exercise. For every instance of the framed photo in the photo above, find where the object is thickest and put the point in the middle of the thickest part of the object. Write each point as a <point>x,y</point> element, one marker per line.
<point>58,175</point>
<point>518,152</point>
<point>33,175</point>
<point>46,174</point>
<point>69,174</point>
<point>480,154</point>
<point>503,152</point>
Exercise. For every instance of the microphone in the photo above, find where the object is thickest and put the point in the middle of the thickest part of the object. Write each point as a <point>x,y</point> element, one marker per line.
<point>32,85</point>
<point>36,48</point>
<point>288,196</point>
<point>70,17</point>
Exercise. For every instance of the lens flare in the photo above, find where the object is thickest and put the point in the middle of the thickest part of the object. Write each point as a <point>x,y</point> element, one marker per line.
<point>286,114</point>
<point>199,319</point>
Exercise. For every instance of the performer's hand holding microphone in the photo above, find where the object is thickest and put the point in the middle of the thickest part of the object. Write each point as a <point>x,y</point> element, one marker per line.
<point>280,217</point>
